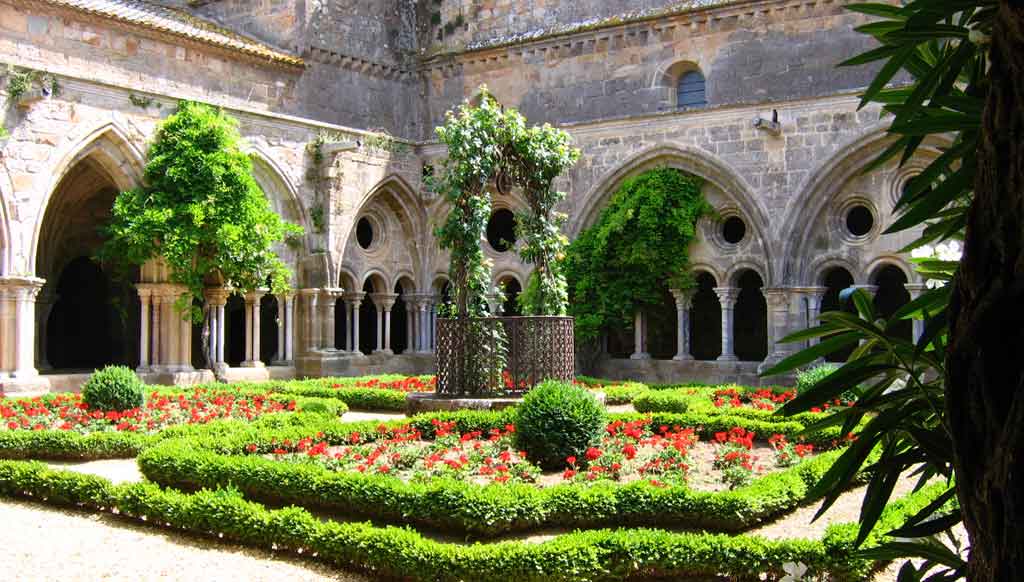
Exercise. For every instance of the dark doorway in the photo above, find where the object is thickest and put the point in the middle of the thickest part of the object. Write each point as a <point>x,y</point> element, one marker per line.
<point>836,280</point>
<point>512,290</point>
<point>892,294</point>
<point>705,320</point>
<point>367,322</point>
<point>750,321</point>
<point>87,326</point>
<point>662,327</point>
<point>399,321</point>
<point>234,312</point>
<point>340,324</point>
<point>268,329</point>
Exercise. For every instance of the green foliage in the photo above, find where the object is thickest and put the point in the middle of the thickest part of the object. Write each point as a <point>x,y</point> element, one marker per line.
<point>21,81</point>
<point>558,420</point>
<point>811,376</point>
<point>113,388</point>
<point>489,144</point>
<point>636,248</point>
<point>662,401</point>
<point>200,210</point>
<point>623,393</point>
<point>942,47</point>
<point>389,552</point>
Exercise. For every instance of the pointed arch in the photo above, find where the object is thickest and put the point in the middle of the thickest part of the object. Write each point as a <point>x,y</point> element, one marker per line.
<point>688,159</point>
<point>820,189</point>
<point>278,188</point>
<point>107,148</point>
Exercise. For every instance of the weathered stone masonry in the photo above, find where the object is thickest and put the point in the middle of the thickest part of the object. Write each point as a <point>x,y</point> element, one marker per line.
<point>367,80</point>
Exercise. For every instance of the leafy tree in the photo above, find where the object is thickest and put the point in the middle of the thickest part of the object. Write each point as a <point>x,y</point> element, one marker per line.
<point>201,211</point>
<point>951,405</point>
<point>637,246</point>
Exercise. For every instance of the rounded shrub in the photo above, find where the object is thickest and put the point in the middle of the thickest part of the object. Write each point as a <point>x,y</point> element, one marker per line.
<point>556,421</point>
<point>113,388</point>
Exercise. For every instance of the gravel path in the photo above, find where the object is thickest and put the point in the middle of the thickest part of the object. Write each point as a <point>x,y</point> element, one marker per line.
<point>116,470</point>
<point>40,543</point>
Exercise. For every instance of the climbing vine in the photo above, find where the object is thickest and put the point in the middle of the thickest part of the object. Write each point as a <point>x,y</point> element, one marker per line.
<point>638,245</point>
<point>489,145</point>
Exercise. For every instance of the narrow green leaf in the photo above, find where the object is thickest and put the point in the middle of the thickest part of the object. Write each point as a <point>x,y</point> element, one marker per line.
<point>812,353</point>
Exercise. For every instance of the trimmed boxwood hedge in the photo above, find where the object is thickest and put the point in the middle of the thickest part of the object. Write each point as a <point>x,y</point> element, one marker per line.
<point>394,553</point>
<point>210,460</point>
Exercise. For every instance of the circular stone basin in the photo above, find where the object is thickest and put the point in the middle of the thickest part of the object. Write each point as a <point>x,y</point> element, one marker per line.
<point>418,402</point>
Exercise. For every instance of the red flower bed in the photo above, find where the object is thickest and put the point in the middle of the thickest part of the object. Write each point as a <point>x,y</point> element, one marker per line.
<point>763,399</point>
<point>628,451</point>
<point>68,412</point>
<point>409,384</point>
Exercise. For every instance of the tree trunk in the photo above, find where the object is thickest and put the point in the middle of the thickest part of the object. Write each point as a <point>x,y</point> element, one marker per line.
<point>985,364</point>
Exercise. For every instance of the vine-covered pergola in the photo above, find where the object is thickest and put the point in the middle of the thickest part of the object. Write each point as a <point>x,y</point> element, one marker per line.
<point>492,147</point>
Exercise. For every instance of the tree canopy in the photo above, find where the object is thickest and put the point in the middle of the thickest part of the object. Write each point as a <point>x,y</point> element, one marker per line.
<point>200,209</point>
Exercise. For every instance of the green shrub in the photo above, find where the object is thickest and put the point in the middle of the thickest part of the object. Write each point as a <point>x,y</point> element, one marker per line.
<point>662,401</point>
<point>556,421</point>
<point>623,393</point>
<point>811,376</point>
<point>114,388</point>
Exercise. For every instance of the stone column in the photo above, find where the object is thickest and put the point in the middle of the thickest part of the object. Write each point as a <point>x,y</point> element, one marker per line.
<point>384,303</point>
<point>157,355</point>
<point>44,305</point>
<point>727,297</point>
<point>17,328</point>
<point>310,327</point>
<point>814,296</point>
<point>217,299</point>
<point>432,312</point>
<point>282,318</point>
<point>640,337</point>
<point>871,290</point>
<point>915,290</point>
<point>778,302</point>
<point>328,301</point>
<point>410,326</point>
<point>493,303</point>
<point>252,329</point>
<point>684,301</point>
<point>353,301</point>
<point>289,328</point>
<point>144,315</point>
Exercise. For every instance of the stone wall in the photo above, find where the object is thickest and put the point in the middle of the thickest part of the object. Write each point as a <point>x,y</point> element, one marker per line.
<point>749,53</point>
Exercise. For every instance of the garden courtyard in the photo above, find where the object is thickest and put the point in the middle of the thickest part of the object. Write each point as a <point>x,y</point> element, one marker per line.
<point>322,479</point>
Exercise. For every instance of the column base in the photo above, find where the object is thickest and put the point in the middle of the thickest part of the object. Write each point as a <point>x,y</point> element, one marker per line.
<point>729,358</point>
<point>282,363</point>
<point>682,358</point>
<point>387,352</point>
<point>254,364</point>
<point>24,386</point>
<point>640,356</point>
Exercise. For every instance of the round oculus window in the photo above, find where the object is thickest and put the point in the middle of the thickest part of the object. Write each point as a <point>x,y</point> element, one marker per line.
<point>734,230</point>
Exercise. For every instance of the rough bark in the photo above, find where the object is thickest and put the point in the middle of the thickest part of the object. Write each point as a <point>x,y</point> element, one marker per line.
<point>985,365</point>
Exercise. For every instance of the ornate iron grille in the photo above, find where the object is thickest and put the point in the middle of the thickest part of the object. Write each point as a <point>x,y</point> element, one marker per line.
<point>493,356</point>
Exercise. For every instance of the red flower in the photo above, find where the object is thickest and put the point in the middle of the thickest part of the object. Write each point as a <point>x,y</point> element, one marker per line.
<point>571,460</point>
<point>629,451</point>
<point>593,454</point>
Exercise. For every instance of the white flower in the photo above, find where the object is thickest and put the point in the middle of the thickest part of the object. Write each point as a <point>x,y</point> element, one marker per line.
<point>934,283</point>
<point>949,251</point>
<point>923,252</point>
<point>794,571</point>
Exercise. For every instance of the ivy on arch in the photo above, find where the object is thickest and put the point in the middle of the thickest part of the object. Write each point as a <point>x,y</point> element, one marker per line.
<point>491,145</point>
<point>637,246</point>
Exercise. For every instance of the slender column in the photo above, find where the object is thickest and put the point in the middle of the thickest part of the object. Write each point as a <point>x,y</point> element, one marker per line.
<point>813,296</point>
<point>727,296</point>
<point>778,301</point>
<point>384,303</point>
<point>433,322</point>
<point>289,326</point>
<point>310,327</point>
<point>348,325</point>
<point>252,329</point>
<point>184,342</point>
<point>221,338</point>
<point>282,325</point>
<point>410,327</point>
<point>144,296</point>
<point>24,341</point>
<point>157,356</point>
<point>684,301</point>
<point>7,325</point>
<point>217,298</point>
<point>915,290</point>
<point>640,337</point>
<point>424,327</point>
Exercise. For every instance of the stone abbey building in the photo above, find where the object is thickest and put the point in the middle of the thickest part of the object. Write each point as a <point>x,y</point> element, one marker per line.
<point>338,99</point>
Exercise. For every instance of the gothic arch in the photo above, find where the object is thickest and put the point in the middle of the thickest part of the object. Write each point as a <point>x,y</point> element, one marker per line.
<point>278,188</point>
<point>698,268</point>
<point>820,189</point>
<point>732,277</point>
<point>872,268</point>
<point>686,158</point>
<point>820,267</point>
<point>109,150</point>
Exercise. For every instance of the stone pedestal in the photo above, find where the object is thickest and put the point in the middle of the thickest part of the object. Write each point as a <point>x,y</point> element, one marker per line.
<point>684,301</point>
<point>18,373</point>
<point>727,297</point>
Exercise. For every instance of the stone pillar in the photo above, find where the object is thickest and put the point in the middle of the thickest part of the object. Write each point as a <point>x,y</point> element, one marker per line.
<point>217,299</point>
<point>384,303</point>
<point>328,301</point>
<point>144,316</point>
<point>684,301</point>
<point>17,330</point>
<point>871,290</point>
<point>432,311</point>
<point>778,303</point>
<point>157,355</point>
<point>353,301</point>
<point>410,326</point>
<point>44,305</point>
<point>640,337</point>
<point>493,303</point>
<point>727,297</point>
<point>289,328</point>
<point>915,290</point>
<point>310,327</point>
<point>282,318</point>
<point>252,329</point>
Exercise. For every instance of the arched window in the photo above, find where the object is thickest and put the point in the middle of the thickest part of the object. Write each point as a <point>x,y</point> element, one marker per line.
<point>690,91</point>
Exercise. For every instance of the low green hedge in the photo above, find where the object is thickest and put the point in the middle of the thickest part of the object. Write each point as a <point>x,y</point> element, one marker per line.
<point>341,389</point>
<point>394,553</point>
<point>210,460</point>
<point>623,393</point>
